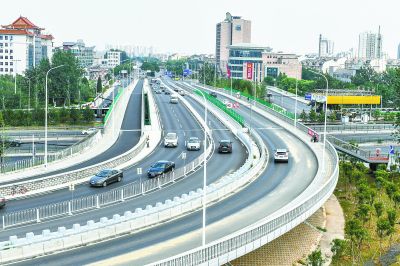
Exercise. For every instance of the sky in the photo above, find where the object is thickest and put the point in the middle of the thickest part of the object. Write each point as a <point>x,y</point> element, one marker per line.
<point>188,27</point>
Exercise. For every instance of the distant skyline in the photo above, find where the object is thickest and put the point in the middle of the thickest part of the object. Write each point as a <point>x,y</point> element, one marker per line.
<point>188,27</point>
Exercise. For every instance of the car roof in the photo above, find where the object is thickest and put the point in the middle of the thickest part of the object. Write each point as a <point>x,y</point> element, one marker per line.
<point>281,150</point>
<point>193,138</point>
<point>171,133</point>
<point>225,140</point>
<point>163,161</point>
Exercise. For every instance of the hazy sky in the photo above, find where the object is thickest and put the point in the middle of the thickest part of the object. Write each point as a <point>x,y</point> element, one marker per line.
<point>189,26</point>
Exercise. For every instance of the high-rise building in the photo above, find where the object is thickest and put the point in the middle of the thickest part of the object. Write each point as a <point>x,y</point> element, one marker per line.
<point>231,31</point>
<point>370,45</point>
<point>398,52</point>
<point>325,47</point>
<point>23,46</point>
<point>84,54</point>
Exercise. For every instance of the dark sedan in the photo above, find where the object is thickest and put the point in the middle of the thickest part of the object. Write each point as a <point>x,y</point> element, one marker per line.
<point>160,167</point>
<point>105,177</point>
<point>225,146</point>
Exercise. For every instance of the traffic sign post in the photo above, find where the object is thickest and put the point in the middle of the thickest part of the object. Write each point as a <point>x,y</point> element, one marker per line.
<point>236,105</point>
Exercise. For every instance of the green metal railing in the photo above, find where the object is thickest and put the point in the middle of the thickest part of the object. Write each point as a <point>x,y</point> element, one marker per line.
<point>238,118</point>
<point>112,105</point>
<point>272,106</point>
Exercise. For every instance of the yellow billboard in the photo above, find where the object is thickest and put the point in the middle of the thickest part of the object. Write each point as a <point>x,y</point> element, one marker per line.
<point>346,99</point>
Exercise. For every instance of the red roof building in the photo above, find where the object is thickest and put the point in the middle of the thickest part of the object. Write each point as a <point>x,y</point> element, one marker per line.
<point>23,46</point>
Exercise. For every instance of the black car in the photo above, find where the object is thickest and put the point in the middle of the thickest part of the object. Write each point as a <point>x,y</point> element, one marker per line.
<point>225,146</point>
<point>160,167</point>
<point>167,92</point>
<point>213,94</point>
<point>105,177</point>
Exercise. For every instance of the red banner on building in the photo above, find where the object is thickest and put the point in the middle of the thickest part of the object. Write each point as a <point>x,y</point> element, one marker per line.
<point>249,71</point>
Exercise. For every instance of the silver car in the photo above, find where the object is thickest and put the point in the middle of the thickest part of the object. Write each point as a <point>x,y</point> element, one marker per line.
<point>171,140</point>
<point>281,155</point>
<point>193,144</point>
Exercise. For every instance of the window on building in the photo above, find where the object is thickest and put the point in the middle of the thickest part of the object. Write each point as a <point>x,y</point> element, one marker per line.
<point>6,44</point>
<point>1,63</point>
<point>11,63</point>
<point>1,37</point>
<point>11,51</point>
<point>6,69</point>
<point>6,51</point>
<point>11,57</point>
<point>1,70</point>
<point>6,37</point>
<point>6,57</point>
<point>11,70</point>
<point>1,50</point>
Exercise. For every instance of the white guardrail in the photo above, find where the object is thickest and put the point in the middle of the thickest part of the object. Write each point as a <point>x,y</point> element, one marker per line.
<point>35,245</point>
<point>23,188</point>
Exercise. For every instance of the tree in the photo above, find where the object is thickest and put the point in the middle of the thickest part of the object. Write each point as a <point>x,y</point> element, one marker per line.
<point>99,86</point>
<point>88,115</point>
<point>383,228</point>
<point>357,234</point>
<point>363,212</point>
<point>338,246</point>
<point>378,206</point>
<point>396,199</point>
<point>391,189</point>
<point>312,115</point>
<point>315,258</point>
<point>303,116</point>
<point>321,117</point>
<point>392,217</point>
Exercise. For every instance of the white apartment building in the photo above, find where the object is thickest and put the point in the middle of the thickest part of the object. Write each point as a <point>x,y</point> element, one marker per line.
<point>23,46</point>
<point>84,54</point>
<point>370,45</point>
<point>113,58</point>
<point>232,30</point>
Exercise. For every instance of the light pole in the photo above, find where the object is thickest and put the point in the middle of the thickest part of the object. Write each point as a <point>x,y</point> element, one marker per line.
<point>295,108</point>
<point>205,172</point>
<point>326,110</point>
<point>45,116</point>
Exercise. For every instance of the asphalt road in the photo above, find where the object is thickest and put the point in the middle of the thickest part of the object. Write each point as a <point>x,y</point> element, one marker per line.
<point>277,186</point>
<point>288,102</point>
<point>128,137</point>
<point>185,126</point>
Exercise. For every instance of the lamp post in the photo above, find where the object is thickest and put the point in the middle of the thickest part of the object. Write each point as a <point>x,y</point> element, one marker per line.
<point>295,108</point>
<point>326,109</point>
<point>45,116</point>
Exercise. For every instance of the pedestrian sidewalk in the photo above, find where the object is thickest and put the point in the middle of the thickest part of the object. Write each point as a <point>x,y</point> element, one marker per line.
<point>105,142</point>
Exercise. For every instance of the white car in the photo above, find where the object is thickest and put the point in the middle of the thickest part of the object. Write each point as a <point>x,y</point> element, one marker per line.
<point>171,140</point>
<point>281,155</point>
<point>89,131</point>
<point>173,99</point>
<point>182,92</point>
<point>193,144</point>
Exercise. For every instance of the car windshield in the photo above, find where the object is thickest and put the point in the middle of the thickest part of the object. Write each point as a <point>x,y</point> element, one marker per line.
<point>170,136</point>
<point>194,140</point>
<point>159,165</point>
<point>281,152</point>
<point>224,143</point>
<point>104,173</point>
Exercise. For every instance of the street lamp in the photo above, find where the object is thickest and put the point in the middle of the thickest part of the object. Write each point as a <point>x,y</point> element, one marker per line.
<point>45,116</point>
<point>205,171</point>
<point>326,110</point>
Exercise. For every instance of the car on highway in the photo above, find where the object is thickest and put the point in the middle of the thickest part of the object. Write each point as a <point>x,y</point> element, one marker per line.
<point>105,177</point>
<point>158,91</point>
<point>171,140</point>
<point>2,201</point>
<point>182,92</point>
<point>281,155</point>
<point>11,142</point>
<point>89,131</point>
<point>173,99</point>
<point>225,146</point>
<point>193,144</point>
<point>213,94</point>
<point>160,167</point>
<point>167,92</point>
